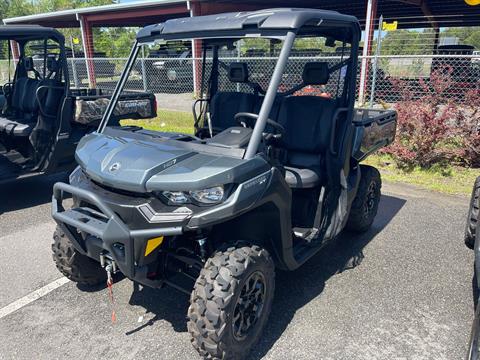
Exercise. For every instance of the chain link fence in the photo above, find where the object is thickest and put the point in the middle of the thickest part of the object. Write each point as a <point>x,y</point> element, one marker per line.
<point>389,78</point>
<point>395,78</point>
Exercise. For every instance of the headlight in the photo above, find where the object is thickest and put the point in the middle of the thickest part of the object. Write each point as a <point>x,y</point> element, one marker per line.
<point>210,196</point>
<point>176,197</point>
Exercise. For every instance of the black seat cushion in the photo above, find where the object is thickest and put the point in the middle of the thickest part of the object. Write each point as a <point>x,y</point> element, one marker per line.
<point>29,104</point>
<point>225,105</point>
<point>308,122</point>
<point>15,128</point>
<point>18,93</point>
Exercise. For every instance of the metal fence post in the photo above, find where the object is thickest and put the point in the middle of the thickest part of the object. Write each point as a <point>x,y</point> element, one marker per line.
<point>74,72</point>
<point>375,60</point>
<point>74,67</point>
<point>144,73</point>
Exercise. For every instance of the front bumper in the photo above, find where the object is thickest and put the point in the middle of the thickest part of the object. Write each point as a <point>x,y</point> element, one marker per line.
<point>98,228</point>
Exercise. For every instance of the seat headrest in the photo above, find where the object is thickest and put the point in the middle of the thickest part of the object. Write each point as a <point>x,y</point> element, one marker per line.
<point>238,72</point>
<point>28,63</point>
<point>52,64</point>
<point>315,73</point>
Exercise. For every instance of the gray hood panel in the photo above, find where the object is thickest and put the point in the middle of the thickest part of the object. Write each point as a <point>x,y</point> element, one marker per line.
<point>145,166</point>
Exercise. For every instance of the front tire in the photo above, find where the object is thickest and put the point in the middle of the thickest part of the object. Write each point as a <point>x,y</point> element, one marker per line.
<point>231,301</point>
<point>365,205</point>
<point>75,266</point>
<point>473,215</point>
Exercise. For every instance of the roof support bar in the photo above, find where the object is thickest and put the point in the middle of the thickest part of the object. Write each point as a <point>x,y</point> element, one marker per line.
<point>367,45</point>
<point>87,41</point>
<point>119,87</point>
<point>270,96</point>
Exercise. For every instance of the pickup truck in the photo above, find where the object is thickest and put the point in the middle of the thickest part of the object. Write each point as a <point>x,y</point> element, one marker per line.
<point>42,118</point>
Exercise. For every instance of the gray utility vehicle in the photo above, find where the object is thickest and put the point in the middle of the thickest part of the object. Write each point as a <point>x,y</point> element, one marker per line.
<point>267,180</point>
<point>41,118</point>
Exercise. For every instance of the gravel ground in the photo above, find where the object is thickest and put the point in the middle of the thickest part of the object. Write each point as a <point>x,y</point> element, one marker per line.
<point>401,291</point>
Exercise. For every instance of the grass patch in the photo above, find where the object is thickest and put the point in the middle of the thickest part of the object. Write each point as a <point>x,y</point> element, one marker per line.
<point>166,120</point>
<point>445,179</point>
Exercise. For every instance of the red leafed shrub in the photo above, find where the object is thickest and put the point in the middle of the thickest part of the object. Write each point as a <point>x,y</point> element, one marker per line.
<point>434,129</point>
<point>468,130</point>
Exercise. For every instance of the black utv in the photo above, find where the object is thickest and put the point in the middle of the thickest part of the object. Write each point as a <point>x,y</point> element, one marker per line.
<point>270,176</point>
<point>41,117</point>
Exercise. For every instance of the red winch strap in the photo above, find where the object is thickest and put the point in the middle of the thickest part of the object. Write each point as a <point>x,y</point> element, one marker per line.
<point>110,295</point>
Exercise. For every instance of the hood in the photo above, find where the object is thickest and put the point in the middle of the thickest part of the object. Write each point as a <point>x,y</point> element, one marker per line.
<point>153,165</point>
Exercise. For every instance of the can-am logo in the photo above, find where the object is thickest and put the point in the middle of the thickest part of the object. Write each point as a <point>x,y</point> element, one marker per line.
<point>114,167</point>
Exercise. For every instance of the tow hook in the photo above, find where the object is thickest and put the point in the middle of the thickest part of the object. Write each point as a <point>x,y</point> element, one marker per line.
<point>108,263</point>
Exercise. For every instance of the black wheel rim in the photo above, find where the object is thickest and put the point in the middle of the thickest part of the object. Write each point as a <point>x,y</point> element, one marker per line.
<point>249,306</point>
<point>371,199</point>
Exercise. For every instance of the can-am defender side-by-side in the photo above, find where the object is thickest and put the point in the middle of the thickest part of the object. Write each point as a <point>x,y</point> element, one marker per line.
<point>41,117</point>
<point>270,176</point>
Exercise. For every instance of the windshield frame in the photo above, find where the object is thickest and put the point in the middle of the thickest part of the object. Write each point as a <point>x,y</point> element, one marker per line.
<point>270,94</point>
<point>288,37</point>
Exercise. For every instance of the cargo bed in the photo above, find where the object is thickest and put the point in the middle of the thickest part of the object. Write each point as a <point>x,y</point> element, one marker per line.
<point>90,104</point>
<point>374,129</point>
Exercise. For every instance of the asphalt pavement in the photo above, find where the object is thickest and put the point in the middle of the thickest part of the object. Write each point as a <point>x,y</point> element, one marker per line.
<point>400,291</point>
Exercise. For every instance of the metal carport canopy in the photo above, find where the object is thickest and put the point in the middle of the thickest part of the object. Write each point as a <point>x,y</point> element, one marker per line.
<point>138,13</point>
<point>409,13</point>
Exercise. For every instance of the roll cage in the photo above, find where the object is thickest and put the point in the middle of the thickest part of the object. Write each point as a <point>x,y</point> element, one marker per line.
<point>282,24</point>
<point>22,34</point>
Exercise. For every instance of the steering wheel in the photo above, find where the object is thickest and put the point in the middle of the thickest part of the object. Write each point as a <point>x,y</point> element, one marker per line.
<point>7,89</point>
<point>279,128</point>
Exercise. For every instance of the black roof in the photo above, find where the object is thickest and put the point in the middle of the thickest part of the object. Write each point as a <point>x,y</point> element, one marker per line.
<point>29,32</point>
<point>236,23</point>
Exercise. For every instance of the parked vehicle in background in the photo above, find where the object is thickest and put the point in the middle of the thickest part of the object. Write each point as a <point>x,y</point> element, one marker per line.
<point>476,59</point>
<point>173,71</point>
<point>103,67</point>
<point>270,176</point>
<point>452,65</point>
<point>42,118</point>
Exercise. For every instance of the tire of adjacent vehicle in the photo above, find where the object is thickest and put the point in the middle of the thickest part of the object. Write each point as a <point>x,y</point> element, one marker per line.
<point>75,266</point>
<point>214,299</point>
<point>365,205</point>
<point>473,215</point>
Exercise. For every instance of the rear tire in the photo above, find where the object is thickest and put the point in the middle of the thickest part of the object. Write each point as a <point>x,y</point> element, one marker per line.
<point>365,205</point>
<point>473,216</point>
<point>75,266</point>
<point>231,301</point>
